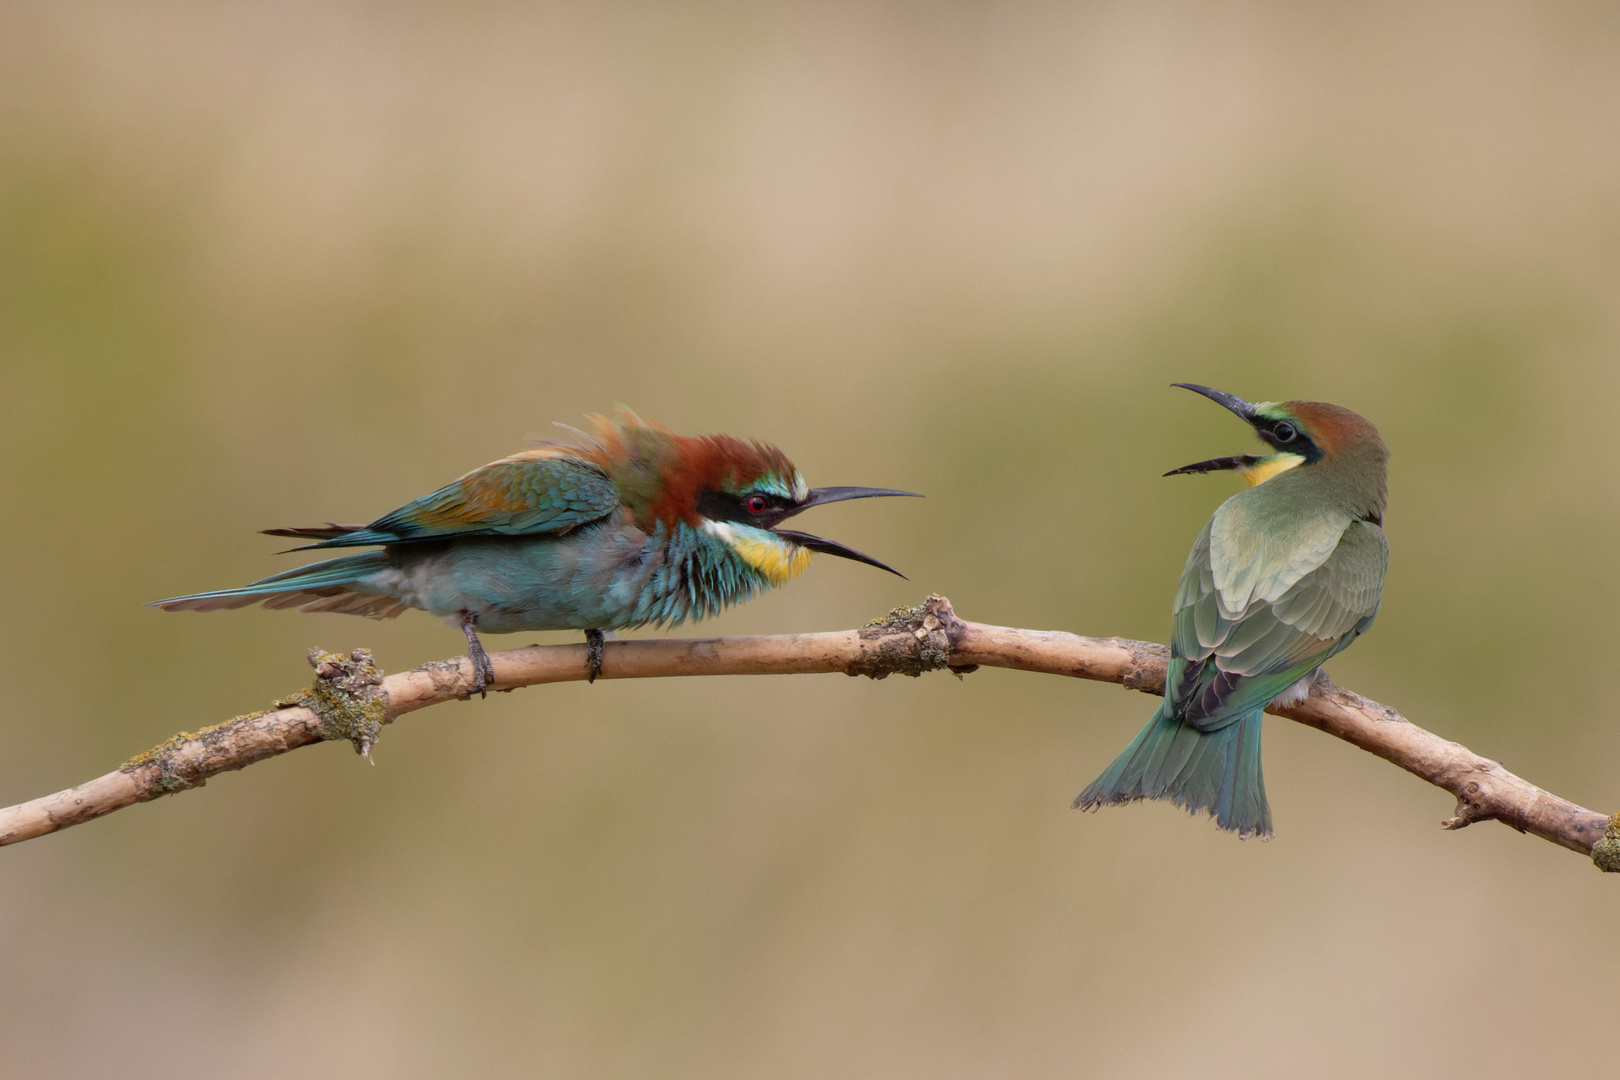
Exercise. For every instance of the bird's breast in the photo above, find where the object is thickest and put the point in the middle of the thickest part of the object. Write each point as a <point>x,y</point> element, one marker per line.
<point>611,575</point>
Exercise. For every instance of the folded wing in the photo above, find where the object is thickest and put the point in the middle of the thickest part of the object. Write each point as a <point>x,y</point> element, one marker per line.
<point>1226,663</point>
<point>545,490</point>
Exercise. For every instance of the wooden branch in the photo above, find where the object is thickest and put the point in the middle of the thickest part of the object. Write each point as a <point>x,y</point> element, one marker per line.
<point>352,701</point>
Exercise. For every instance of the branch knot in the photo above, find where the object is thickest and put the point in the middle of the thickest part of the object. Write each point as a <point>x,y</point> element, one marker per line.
<point>909,641</point>
<point>347,697</point>
<point>1606,852</point>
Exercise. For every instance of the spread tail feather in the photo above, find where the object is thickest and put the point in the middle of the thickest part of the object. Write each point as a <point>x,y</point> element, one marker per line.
<point>1216,772</point>
<point>322,586</point>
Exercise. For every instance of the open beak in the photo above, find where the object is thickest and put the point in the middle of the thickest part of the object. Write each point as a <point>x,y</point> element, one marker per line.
<point>1237,405</point>
<point>817,497</point>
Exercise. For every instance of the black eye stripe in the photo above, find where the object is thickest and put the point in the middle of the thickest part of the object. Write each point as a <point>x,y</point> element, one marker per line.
<point>726,506</point>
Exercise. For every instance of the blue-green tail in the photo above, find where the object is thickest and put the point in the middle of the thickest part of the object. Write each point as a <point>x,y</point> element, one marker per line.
<point>1216,771</point>
<point>334,585</point>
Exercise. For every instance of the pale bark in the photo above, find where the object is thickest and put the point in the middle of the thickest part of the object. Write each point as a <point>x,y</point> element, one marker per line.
<point>351,702</point>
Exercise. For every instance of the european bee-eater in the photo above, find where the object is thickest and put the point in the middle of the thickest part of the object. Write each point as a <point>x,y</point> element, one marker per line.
<point>641,526</point>
<point>1286,574</point>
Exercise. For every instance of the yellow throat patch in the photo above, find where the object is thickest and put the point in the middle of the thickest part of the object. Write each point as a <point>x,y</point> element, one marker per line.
<point>1267,467</point>
<point>778,559</point>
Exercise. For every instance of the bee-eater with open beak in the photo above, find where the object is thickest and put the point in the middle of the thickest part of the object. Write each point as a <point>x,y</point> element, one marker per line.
<point>641,526</point>
<point>1286,574</point>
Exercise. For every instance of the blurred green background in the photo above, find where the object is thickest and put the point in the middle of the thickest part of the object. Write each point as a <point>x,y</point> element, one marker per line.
<point>276,264</point>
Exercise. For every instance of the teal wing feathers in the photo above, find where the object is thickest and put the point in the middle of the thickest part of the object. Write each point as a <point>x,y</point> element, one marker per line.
<point>547,490</point>
<point>1226,662</point>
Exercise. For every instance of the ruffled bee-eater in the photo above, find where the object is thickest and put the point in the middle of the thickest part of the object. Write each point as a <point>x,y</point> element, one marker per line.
<point>639,526</point>
<point>1286,574</point>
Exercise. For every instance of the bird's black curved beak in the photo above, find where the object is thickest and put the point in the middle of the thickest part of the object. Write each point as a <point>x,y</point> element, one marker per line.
<point>1241,461</point>
<point>1243,408</point>
<point>833,547</point>
<point>819,496</point>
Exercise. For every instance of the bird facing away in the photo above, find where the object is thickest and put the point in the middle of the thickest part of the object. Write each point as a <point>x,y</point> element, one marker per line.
<point>1286,574</point>
<point>641,526</point>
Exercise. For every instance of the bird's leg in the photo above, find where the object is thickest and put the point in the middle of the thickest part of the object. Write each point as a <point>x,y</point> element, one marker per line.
<point>594,653</point>
<point>483,669</point>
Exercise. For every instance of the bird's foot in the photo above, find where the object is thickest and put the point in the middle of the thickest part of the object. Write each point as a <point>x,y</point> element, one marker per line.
<point>594,654</point>
<point>483,667</point>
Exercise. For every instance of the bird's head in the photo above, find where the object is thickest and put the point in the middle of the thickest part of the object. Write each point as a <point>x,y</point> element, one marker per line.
<point>1330,440</point>
<point>737,491</point>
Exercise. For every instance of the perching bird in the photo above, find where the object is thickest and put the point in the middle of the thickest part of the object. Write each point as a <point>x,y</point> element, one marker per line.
<point>1285,575</point>
<point>641,526</point>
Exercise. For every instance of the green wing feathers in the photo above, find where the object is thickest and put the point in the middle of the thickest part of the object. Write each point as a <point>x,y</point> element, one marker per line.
<point>1226,663</point>
<point>546,490</point>
<point>1243,635</point>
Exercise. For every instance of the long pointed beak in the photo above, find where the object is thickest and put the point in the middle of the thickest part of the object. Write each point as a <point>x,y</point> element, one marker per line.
<point>1242,461</point>
<point>833,547</point>
<point>821,496</point>
<point>1231,401</point>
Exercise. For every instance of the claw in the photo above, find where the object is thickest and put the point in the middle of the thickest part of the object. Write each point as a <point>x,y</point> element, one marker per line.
<point>483,667</point>
<point>594,654</point>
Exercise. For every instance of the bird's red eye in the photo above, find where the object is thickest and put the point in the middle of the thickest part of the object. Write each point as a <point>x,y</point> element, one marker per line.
<point>756,504</point>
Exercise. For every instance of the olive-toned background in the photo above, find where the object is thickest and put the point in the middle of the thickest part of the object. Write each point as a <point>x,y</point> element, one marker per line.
<point>277,264</point>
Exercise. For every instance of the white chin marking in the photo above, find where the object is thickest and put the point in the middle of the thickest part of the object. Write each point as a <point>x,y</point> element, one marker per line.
<point>720,530</point>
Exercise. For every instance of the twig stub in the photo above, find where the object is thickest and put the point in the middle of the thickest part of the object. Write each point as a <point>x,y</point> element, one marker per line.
<point>909,641</point>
